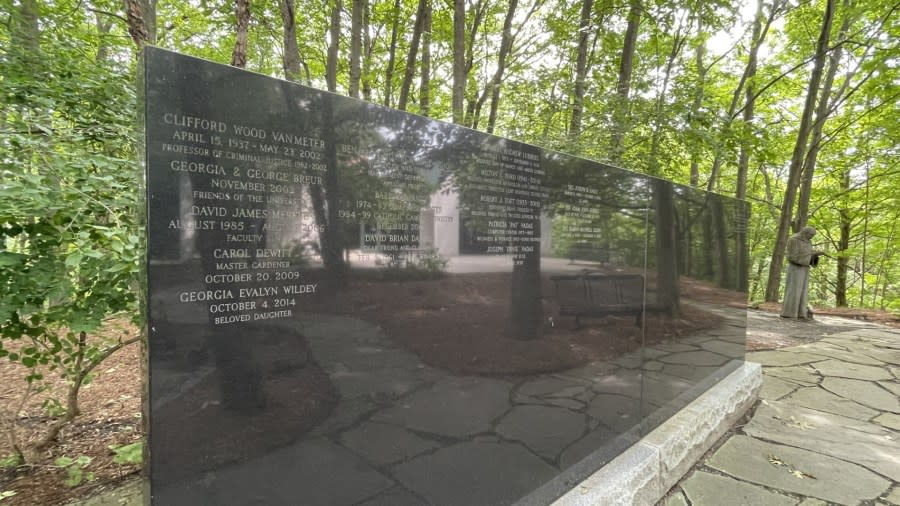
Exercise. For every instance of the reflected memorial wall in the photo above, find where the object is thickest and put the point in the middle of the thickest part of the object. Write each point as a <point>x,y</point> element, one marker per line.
<point>350,304</point>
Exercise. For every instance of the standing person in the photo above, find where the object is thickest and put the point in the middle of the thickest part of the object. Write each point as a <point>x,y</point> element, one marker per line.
<point>800,256</point>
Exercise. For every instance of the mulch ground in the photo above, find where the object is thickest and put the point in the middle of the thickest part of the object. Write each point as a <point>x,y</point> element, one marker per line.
<point>869,315</point>
<point>110,416</point>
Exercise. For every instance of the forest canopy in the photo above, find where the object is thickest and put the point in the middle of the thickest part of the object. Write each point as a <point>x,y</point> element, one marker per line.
<point>792,105</point>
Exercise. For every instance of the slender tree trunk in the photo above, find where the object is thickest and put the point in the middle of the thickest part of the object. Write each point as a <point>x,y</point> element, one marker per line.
<point>242,21</point>
<point>525,316</point>
<point>103,26</point>
<point>425,78</point>
<point>843,260</point>
<point>720,244</point>
<point>623,85</point>
<point>506,43</point>
<point>25,29</point>
<point>787,207</point>
<point>334,36</point>
<point>410,69</point>
<point>324,200</point>
<point>367,52</point>
<point>749,105</point>
<point>459,60</point>
<point>865,244</point>
<point>741,247</point>
<point>138,26</point>
<point>881,277</point>
<point>747,76</point>
<point>292,63</point>
<point>667,290</point>
<point>699,53</point>
<point>148,7</point>
<point>584,28</point>
<point>656,138</point>
<point>356,15</point>
<point>392,57</point>
<point>822,111</point>
<point>471,99</point>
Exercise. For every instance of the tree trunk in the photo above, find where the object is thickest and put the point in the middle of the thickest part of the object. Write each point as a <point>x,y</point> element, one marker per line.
<point>741,247</point>
<point>623,85</point>
<point>720,244</point>
<point>471,99</point>
<point>699,52</point>
<point>242,20</point>
<point>885,254</point>
<point>822,111</point>
<point>392,57</point>
<point>787,207</point>
<point>526,312</point>
<point>506,43</point>
<point>103,26</point>
<point>843,260</point>
<point>367,53</point>
<point>677,43</point>
<point>410,69</point>
<point>459,59</point>
<point>356,14</point>
<point>137,22</point>
<point>25,32</point>
<point>749,105</point>
<point>425,78</point>
<point>747,76</point>
<point>584,27</point>
<point>292,63</point>
<point>148,7</point>
<point>668,292</point>
<point>865,243</point>
<point>334,36</point>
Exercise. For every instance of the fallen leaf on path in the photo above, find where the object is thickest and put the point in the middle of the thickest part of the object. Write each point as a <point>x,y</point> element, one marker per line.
<point>801,474</point>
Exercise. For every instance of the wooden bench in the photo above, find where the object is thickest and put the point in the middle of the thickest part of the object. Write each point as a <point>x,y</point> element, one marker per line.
<point>597,295</point>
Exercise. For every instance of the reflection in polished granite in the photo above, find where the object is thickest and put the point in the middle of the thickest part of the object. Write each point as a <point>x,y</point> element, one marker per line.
<point>402,427</point>
<point>343,402</point>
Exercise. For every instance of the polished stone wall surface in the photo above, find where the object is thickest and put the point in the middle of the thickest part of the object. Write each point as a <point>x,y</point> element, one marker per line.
<point>352,305</point>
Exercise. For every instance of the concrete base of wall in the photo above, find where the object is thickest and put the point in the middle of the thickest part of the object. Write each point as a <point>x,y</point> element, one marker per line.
<point>647,470</point>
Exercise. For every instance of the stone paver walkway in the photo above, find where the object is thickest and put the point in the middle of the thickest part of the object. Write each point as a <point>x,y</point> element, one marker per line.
<point>826,430</point>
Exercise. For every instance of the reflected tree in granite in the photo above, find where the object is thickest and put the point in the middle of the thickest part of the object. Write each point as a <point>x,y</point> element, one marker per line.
<point>362,400</point>
<point>325,200</point>
<point>525,311</point>
<point>668,293</point>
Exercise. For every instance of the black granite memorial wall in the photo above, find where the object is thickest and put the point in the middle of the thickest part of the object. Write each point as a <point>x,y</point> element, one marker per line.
<point>352,305</point>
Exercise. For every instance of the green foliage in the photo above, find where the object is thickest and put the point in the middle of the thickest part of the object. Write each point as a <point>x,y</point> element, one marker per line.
<point>75,469</point>
<point>6,494</point>
<point>69,242</point>
<point>128,454</point>
<point>416,267</point>
<point>9,462</point>
<point>431,263</point>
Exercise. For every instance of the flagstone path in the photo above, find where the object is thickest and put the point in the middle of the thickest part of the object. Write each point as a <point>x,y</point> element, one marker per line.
<point>826,431</point>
